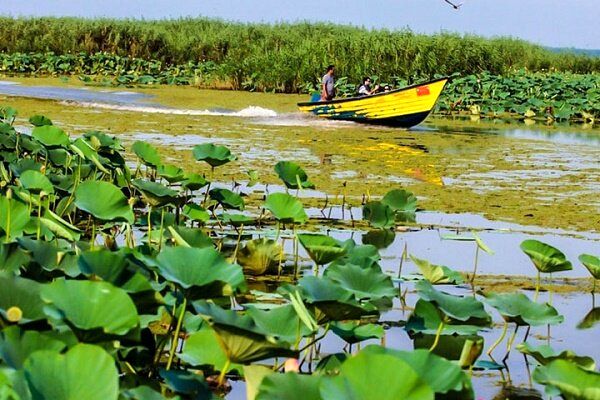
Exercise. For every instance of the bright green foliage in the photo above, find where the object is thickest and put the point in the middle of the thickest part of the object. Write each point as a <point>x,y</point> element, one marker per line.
<point>84,372</point>
<point>213,155</point>
<point>104,201</point>
<point>285,208</point>
<point>90,305</point>
<point>545,354</point>
<point>322,249</point>
<point>518,308</point>
<point>567,379</point>
<point>546,258</point>
<point>292,175</point>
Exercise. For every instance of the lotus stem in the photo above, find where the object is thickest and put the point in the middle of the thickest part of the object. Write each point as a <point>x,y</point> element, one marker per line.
<point>537,287</point>
<point>162,221</point>
<point>316,339</point>
<point>402,258</point>
<point>93,238</point>
<point>237,244</point>
<point>497,342</point>
<point>176,335</point>
<point>223,372</point>
<point>510,343</point>
<point>9,198</point>
<point>39,225</point>
<point>149,219</point>
<point>475,268</point>
<point>437,336</point>
<point>594,286</point>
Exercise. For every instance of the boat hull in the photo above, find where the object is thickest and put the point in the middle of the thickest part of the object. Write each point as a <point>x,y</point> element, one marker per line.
<point>405,107</point>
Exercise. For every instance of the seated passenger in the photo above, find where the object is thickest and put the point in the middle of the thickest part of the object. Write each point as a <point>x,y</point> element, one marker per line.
<point>365,88</point>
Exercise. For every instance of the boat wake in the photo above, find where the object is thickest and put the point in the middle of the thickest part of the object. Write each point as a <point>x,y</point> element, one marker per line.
<point>248,112</point>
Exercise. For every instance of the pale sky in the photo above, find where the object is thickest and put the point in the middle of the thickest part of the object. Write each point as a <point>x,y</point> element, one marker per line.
<point>556,23</point>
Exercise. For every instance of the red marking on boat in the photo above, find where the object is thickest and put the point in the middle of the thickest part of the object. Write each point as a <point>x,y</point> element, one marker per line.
<point>423,91</point>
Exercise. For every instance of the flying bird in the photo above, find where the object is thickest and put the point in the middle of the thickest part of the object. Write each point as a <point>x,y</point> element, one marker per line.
<point>455,6</point>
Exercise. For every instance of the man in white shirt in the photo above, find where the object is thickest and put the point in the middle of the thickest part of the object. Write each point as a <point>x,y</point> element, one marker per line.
<point>365,88</point>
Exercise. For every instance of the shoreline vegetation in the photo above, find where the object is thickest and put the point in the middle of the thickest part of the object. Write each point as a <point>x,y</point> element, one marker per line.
<point>491,77</point>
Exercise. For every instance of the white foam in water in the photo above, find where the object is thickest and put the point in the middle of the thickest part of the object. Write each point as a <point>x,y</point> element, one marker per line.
<point>248,112</point>
<point>7,83</point>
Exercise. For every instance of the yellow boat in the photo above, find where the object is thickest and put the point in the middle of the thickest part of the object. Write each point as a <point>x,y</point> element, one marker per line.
<point>404,107</point>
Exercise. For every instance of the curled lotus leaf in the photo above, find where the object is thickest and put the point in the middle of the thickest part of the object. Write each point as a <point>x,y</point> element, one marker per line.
<point>292,175</point>
<point>592,263</point>
<point>546,258</point>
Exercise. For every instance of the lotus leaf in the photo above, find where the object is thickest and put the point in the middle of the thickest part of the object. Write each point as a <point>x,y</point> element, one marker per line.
<point>84,372</point>
<point>379,238</point>
<point>23,294</point>
<point>50,136</point>
<point>378,214</point>
<point>194,267</point>
<point>281,321</point>
<point>426,318</point>
<point>187,383</point>
<point>592,263</point>
<point>86,151</point>
<point>364,255</point>
<point>39,120</point>
<point>16,345</point>
<point>354,332</point>
<point>213,155</point>
<point>292,175</point>
<point>437,274</point>
<point>375,376</point>
<point>195,213</point>
<point>590,319</point>
<point>12,258</point>
<point>104,201</point>
<point>322,249</point>
<point>191,237</point>
<point>259,256</point>
<point>571,381</point>
<point>545,257</point>
<point>14,217</point>
<point>443,376</point>
<point>202,348</point>
<point>155,194</point>
<point>330,365</point>
<point>237,219</point>
<point>147,153</point>
<point>518,308</point>
<point>90,305</point>
<point>455,307</point>
<point>290,386</point>
<point>365,283</point>
<point>193,181</point>
<point>331,300</point>
<point>171,173</point>
<point>36,182</point>
<point>113,267</point>
<point>60,227</point>
<point>545,354</point>
<point>227,199</point>
<point>285,208</point>
<point>241,339</point>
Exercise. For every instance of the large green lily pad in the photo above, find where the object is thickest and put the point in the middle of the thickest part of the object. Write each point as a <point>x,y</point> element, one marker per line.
<point>518,308</point>
<point>90,306</point>
<point>104,201</point>
<point>322,249</point>
<point>84,372</point>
